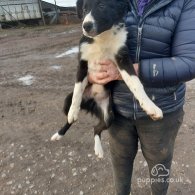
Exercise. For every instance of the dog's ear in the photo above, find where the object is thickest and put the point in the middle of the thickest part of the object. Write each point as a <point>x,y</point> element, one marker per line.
<point>79,7</point>
<point>124,6</point>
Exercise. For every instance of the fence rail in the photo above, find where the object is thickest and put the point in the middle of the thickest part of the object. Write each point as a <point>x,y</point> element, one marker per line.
<point>12,10</point>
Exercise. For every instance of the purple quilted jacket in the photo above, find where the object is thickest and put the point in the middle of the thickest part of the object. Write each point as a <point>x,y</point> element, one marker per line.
<point>141,4</point>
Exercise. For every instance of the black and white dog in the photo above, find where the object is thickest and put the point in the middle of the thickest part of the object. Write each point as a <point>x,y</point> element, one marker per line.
<point>104,37</point>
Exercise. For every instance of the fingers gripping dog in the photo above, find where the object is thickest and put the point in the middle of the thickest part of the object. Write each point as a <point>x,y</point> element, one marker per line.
<point>104,37</point>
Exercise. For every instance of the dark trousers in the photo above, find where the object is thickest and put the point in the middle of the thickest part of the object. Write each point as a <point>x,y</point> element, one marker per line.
<point>157,140</point>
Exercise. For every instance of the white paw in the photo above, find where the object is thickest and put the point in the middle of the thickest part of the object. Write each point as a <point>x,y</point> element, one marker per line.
<point>152,110</point>
<point>158,114</point>
<point>98,147</point>
<point>56,137</point>
<point>73,114</point>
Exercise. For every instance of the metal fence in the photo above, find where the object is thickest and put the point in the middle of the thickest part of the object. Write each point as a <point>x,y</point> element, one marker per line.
<point>15,10</point>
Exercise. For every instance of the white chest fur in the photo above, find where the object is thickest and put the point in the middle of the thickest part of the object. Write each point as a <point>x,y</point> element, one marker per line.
<point>105,46</point>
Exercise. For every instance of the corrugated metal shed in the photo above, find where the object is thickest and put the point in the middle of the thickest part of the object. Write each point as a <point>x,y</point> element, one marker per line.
<point>57,14</point>
<point>14,10</point>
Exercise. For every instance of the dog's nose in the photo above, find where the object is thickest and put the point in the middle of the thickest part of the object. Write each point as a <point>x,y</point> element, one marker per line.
<point>88,26</point>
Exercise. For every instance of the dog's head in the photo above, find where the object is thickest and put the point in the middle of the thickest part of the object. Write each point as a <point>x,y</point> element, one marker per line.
<point>100,15</point>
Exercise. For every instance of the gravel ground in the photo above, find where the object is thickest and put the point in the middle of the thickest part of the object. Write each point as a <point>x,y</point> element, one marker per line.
<point>37,70</point>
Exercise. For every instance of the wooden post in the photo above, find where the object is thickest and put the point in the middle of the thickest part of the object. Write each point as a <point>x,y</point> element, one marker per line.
<point>40,7</point>
<point>56,12</point>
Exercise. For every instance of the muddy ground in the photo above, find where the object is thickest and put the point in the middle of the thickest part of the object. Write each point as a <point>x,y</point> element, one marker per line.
<point>37,69</point>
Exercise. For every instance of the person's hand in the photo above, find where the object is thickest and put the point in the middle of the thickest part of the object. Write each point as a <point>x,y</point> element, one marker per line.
<point>108,72</point>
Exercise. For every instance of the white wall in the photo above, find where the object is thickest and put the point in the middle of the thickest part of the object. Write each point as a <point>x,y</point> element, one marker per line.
<point>63,3</point>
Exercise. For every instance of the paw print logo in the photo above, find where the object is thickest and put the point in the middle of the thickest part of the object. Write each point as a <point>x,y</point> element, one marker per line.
<point>160,171</point>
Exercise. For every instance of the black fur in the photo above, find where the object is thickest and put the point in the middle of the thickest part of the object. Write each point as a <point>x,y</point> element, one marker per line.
<point>86,39</point>
<point>82,70</point>
<point>124,61</point>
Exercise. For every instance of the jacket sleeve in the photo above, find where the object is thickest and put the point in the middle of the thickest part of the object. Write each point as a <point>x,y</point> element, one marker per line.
<point>161,72</point>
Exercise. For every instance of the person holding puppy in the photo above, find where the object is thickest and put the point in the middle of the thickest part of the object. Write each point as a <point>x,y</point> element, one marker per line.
<point>161,44</point>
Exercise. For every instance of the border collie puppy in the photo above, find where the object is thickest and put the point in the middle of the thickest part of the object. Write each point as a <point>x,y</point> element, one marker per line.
<point>104,37</point>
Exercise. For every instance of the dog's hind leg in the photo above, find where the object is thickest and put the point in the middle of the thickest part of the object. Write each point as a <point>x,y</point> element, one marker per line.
<point>58,135</point>
<point>106,117</point>
<point>102,109</point>
<point>67,103</point>
<point>97,138</point>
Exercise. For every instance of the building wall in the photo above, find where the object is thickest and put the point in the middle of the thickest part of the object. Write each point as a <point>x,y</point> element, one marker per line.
<point>13,10</point>
<point>63,3</point>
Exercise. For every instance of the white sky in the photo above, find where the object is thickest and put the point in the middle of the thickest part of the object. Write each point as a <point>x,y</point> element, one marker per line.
<point>63,3</point>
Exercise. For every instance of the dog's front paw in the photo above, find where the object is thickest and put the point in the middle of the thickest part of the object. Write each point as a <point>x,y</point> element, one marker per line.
<point>98,147</point>
<point>156,113</point>
<point>56,137</point>
<point>73,114</point>
<point>152,110</point>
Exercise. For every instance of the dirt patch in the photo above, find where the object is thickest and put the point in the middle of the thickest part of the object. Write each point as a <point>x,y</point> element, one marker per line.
<point>33,83</point>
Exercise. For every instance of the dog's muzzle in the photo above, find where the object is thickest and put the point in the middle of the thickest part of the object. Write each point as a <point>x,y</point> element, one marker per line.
<point>89,29</point>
